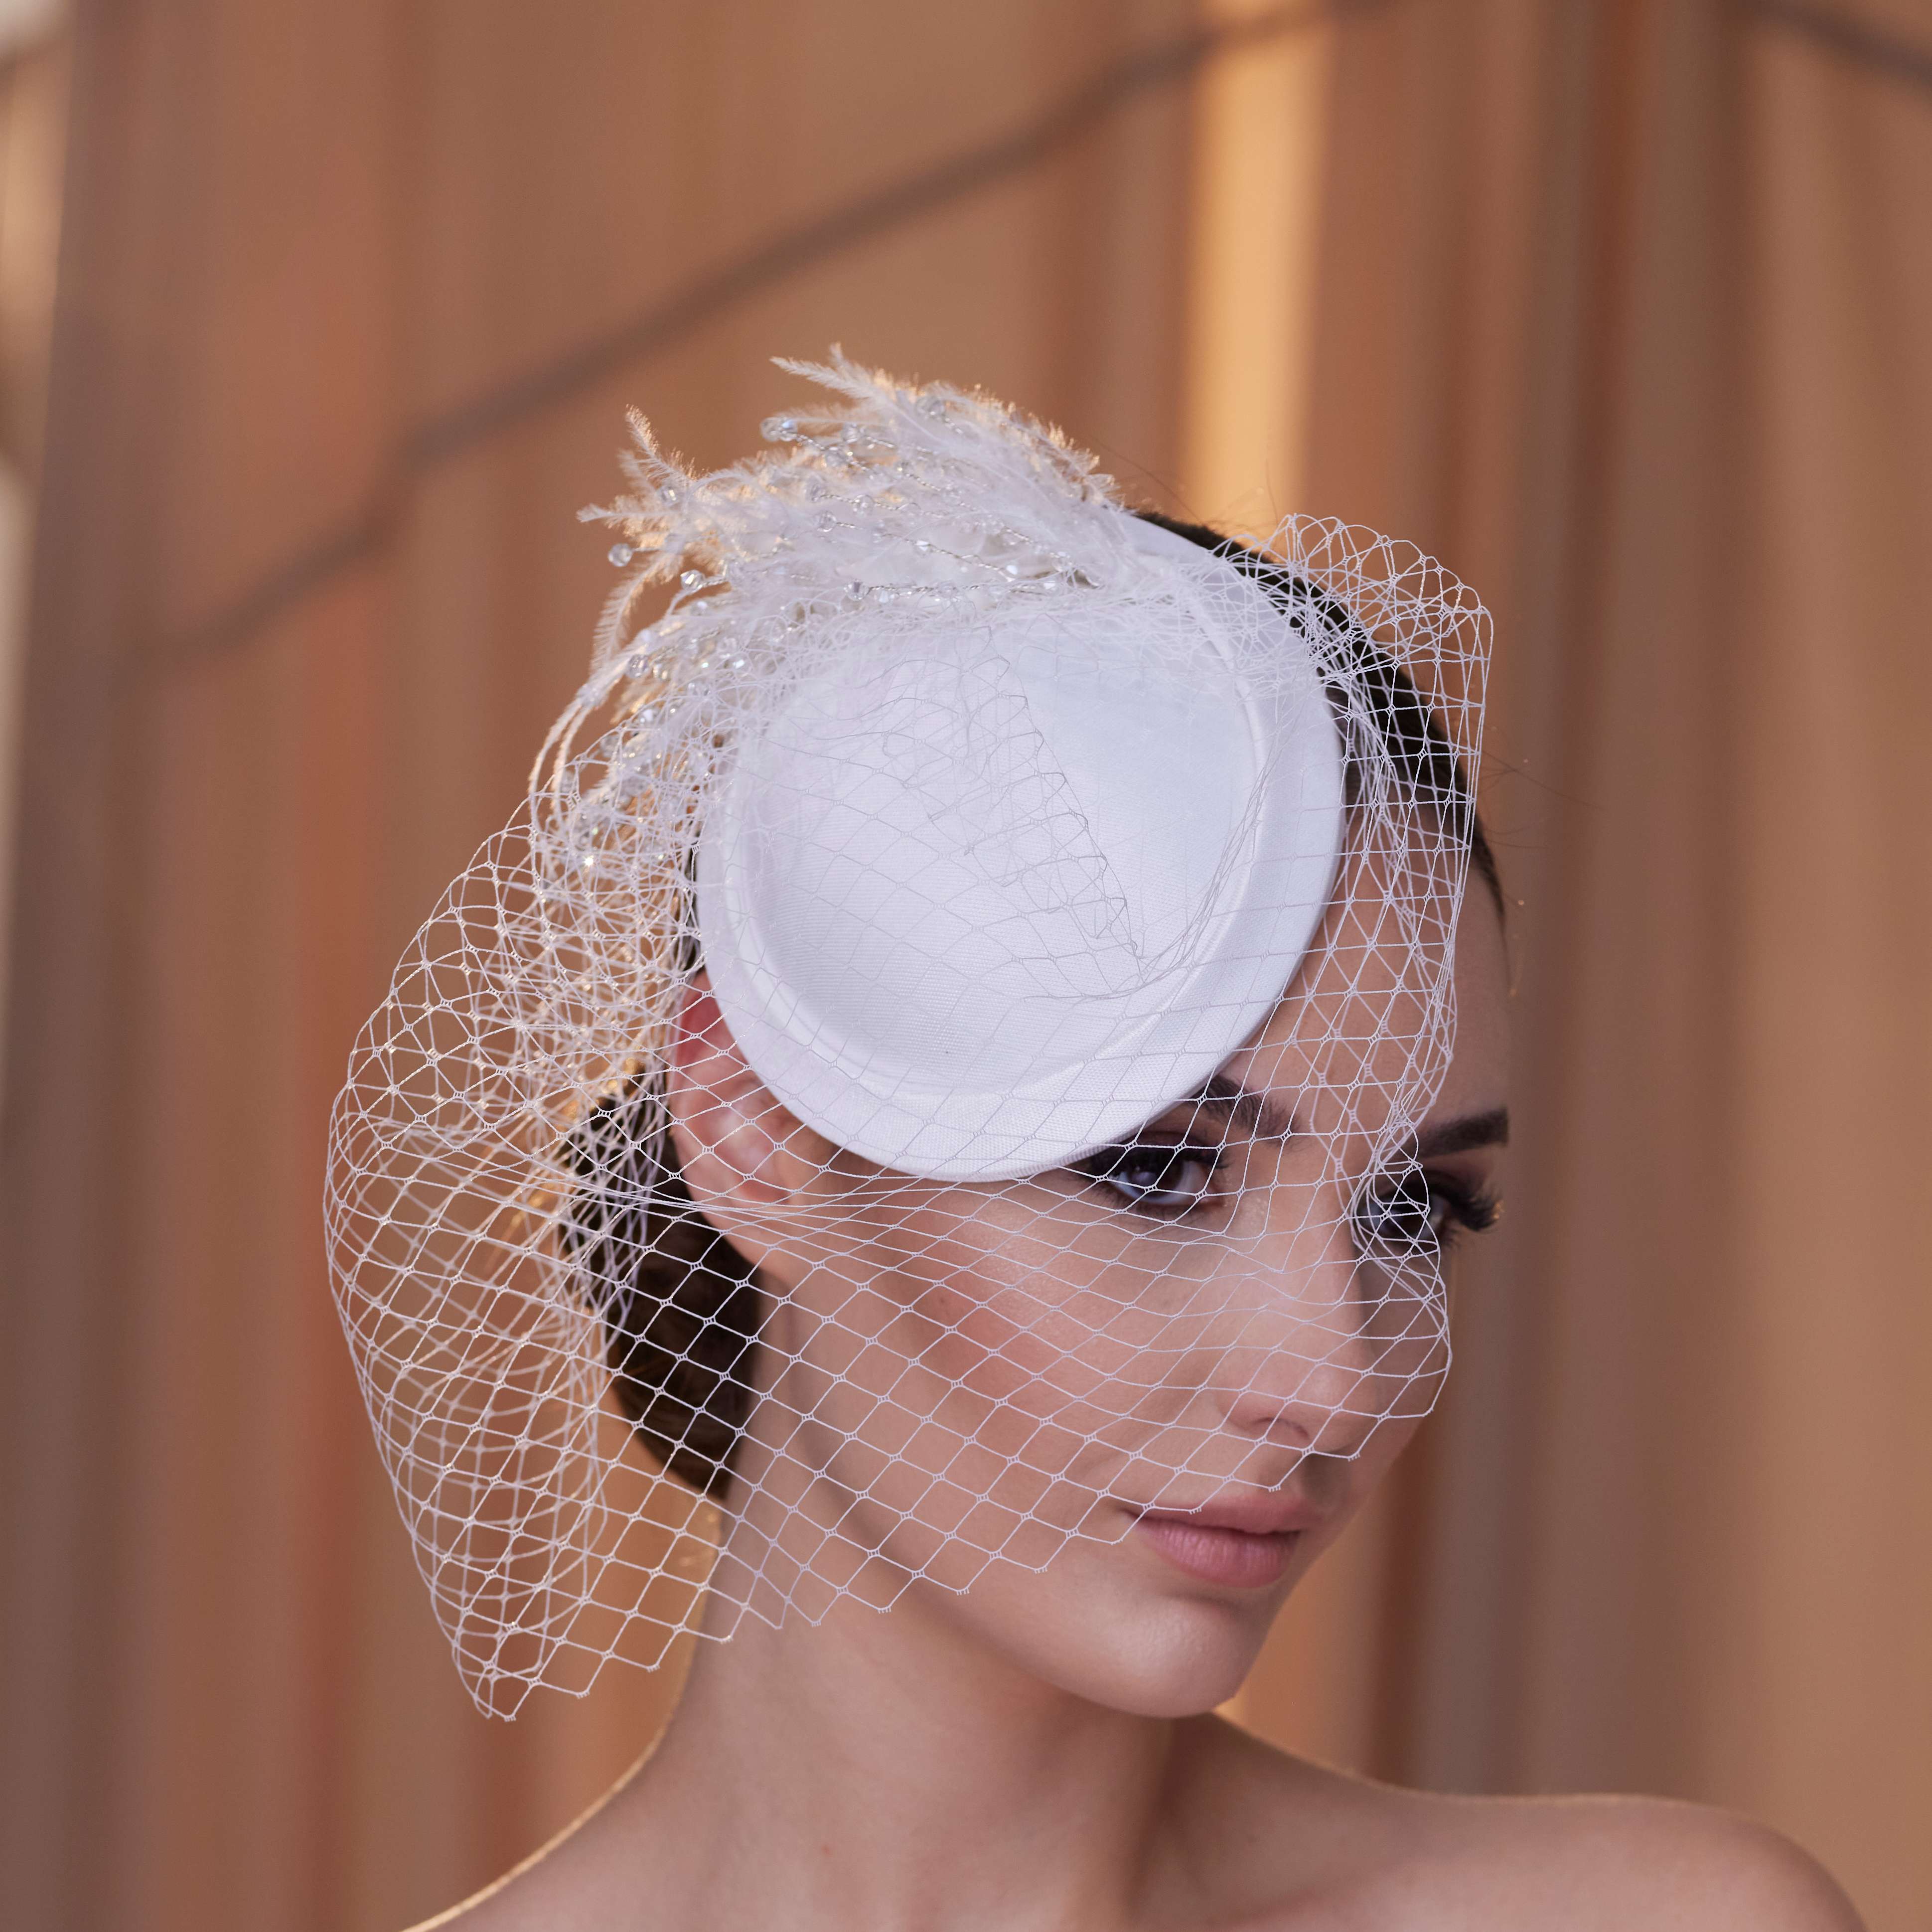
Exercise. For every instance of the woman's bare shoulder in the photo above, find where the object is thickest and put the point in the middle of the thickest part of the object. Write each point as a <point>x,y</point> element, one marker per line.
<point>1396,1858</point>
<point>1581,1862</point>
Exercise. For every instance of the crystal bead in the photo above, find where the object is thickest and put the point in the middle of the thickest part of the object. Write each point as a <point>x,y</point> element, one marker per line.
<point>621,554</point>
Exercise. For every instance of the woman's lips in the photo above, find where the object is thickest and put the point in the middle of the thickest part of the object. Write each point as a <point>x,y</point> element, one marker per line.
<point>1244,1545</point>
<point>1234,1557</point>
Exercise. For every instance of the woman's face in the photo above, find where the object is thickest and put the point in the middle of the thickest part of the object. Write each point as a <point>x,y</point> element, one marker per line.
<point>1175,1369</point>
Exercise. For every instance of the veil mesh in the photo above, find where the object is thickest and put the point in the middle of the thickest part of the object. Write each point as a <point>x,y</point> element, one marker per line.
<point>892,1100</point>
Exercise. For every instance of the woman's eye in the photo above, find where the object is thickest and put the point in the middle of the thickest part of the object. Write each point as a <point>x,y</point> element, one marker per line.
<point>1400,1213</point>
<point>1408,1213</point>
<point>1158,1179</point>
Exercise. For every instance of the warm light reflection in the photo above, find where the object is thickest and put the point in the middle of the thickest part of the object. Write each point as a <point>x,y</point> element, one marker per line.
<point>1261,159</point>
<point>1261,140</point>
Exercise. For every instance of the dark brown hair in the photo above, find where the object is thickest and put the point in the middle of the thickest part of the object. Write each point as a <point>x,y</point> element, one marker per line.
<point>678,1303</point>
<point>681,1306</point>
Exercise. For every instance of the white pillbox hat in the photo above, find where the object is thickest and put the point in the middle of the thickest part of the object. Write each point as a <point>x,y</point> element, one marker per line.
<point>979,900</point>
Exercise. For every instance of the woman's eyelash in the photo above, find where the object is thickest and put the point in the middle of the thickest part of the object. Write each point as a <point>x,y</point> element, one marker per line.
<point>1166,1178</point>
<point>1169,1179</point>
<point>1471,1209</point>
<point>1416,1210</point>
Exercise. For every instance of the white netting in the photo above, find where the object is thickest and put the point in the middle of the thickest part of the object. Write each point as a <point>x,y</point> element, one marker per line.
<point>935,1064</point>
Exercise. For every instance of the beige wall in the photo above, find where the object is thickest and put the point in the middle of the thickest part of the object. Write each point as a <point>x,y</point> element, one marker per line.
<point>1623,308</point>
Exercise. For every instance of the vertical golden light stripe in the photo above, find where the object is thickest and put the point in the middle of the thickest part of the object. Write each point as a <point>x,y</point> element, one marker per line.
<point>1261,137</point>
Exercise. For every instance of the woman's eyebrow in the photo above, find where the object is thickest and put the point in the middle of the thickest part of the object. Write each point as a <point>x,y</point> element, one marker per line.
<point>1460,1136</point>
<point>1258,1115</point>
<point>1261,1116</point>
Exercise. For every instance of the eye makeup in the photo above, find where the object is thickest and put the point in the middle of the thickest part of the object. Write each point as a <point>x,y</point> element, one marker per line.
<point>1419,1210</point>
<point>1170,1174</point>
<point>1165,1178</point>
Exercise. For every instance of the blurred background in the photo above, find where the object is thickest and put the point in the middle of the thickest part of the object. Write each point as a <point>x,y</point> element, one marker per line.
<point>317,319</point>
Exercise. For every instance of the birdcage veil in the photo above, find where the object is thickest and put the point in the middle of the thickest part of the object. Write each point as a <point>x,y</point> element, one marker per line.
<point>750,1194</point>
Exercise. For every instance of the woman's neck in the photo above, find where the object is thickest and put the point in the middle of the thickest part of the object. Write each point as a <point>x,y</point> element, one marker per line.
<point>891,1771</point>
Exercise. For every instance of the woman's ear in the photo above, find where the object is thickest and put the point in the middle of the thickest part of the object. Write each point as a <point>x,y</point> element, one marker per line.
<point>741,1151</point>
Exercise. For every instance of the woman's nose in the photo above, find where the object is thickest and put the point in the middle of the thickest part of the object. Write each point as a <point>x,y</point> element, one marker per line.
<point>1325,1407</point>
<point>1328,1348</point>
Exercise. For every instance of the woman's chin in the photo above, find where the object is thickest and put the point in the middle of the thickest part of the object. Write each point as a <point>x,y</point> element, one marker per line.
<point>1148,1652</point>
<point>1174,1666</point>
